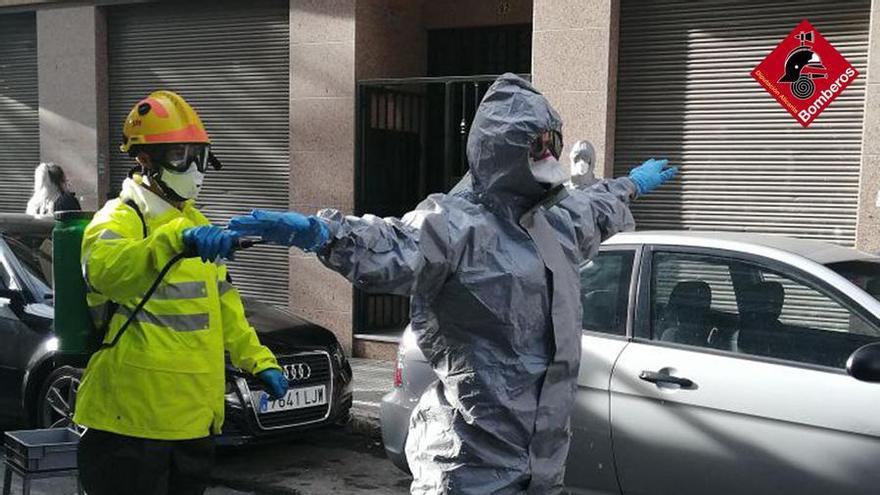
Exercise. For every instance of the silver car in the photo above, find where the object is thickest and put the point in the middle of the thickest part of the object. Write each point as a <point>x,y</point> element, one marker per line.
<point>712,363</point>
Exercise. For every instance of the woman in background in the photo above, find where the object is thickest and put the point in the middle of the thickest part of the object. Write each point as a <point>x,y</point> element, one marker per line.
<point>51,192</point>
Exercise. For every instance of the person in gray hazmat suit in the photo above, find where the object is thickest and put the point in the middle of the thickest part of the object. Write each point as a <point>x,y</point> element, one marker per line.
<point>582,160</point>
<point>492,269</point>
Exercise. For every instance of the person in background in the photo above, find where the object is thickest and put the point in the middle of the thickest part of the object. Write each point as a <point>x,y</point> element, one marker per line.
<point>583,164</point>
<point>51,191</point>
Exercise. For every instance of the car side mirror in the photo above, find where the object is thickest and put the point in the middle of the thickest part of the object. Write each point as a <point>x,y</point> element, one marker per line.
<point>16,300</point>
<point>864,363</point>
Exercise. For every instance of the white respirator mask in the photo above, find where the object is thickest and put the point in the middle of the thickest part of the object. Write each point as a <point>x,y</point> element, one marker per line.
<point>583,162</point>
<point>184,184</point>
<point>548,170</point>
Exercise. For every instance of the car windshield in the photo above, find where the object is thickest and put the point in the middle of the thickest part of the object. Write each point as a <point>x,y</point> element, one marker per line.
<point>865,274</point>
<point>35,257</point>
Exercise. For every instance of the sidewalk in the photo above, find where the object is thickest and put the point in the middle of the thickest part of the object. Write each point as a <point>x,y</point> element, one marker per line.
<point>372,380</point>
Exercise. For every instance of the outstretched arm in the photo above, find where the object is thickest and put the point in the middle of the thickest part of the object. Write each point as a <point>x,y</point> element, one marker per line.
<point>602,209</point>
<point>399,256</point>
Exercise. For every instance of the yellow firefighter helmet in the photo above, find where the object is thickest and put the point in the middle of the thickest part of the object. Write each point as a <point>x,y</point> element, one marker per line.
<point>163,117</point>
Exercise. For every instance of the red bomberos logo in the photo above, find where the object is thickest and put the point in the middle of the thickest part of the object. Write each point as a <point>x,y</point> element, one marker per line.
<point>805,73</point>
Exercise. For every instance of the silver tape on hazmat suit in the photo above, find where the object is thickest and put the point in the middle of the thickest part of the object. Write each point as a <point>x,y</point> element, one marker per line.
<point>495,302</point>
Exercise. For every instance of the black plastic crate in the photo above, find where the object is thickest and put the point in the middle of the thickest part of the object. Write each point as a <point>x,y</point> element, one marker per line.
<point>42,450</point>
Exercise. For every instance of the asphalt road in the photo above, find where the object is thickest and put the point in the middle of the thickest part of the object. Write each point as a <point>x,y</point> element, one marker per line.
<point>323,462</point>
<point>320,463</point>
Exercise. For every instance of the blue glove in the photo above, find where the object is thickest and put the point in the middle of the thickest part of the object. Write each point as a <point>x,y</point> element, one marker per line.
<point>276,384</point>
<point>649,175</point>
<point>210,242</point>
<point>287,229</point>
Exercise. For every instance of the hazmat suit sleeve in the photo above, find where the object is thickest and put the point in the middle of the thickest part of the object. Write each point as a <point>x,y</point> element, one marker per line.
<point>239,337</point>
<point>398,256</point>
<point>118,261</point>
<point>599,211</point>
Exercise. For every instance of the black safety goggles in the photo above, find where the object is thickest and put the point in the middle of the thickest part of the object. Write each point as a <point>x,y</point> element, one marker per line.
<point>547,142</point>
<point>179,157</point>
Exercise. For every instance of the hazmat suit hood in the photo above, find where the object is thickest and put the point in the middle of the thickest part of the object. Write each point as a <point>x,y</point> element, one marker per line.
<point>512,114</point>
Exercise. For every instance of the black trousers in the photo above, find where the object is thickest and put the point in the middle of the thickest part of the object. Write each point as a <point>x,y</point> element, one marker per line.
<point>111,464</point>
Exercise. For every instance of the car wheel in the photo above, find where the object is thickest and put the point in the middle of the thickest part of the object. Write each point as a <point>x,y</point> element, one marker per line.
<point>57,400</point>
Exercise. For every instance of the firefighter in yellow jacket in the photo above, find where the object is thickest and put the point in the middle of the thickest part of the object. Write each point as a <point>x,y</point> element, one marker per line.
<point>152,396</point>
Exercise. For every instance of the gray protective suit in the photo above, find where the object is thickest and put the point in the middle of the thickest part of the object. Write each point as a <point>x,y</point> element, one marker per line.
<point>492,269</point>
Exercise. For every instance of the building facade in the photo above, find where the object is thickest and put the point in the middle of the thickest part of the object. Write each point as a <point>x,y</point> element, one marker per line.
<point>362,105</point>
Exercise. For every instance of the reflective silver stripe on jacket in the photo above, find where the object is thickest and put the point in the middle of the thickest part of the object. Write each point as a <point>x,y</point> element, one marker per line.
<point>181,290</point>
<point>109,235</point>
<point>224,287</point>
<point>179,323</point>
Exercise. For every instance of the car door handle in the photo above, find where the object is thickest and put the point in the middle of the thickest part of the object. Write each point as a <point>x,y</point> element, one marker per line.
<point>655,377</point>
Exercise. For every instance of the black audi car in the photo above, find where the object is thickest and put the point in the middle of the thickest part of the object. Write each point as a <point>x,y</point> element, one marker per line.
<point>38,390</point>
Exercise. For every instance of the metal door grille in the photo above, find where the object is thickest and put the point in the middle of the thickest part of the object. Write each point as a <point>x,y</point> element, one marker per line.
<point>230,60</point>
<point>391,181</point>
<point>19,110</point>
<point>684,92</point>
<point>480,50</point>
<point>411,142</point>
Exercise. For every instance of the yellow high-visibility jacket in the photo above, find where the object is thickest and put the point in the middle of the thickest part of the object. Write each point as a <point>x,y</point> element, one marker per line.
<point>164,379</point>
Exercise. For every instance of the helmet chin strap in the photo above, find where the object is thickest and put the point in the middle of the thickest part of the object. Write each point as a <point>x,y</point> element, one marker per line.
<point>168,194</point>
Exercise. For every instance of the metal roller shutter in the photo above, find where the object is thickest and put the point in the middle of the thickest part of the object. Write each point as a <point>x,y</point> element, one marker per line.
<point>684,92</point>
<point>230,60</point>
<point>19,110</point>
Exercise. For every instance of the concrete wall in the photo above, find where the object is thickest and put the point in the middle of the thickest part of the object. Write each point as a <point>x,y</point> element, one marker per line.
<point>868,227</point>
<point>392,34</point>
<point>574,63</point>
<point>391,39</point>
<point>462,13</point>
<point>72,61</point>
<point>322,82</point>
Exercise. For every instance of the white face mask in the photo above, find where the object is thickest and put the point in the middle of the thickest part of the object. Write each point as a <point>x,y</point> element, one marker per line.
<point>582,158</point>
<point>185,184</point>
<point>583,161</point>
<point>548,170</point>
<point>581,168</point>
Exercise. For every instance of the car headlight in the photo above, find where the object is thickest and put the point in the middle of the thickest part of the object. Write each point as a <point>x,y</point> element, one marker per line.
<point>231,394</point>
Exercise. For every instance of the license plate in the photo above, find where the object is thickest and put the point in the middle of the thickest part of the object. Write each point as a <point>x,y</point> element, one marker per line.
<point>296,398</point>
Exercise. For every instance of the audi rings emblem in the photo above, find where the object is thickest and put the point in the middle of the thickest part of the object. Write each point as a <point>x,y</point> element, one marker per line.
<point>297,371</point>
